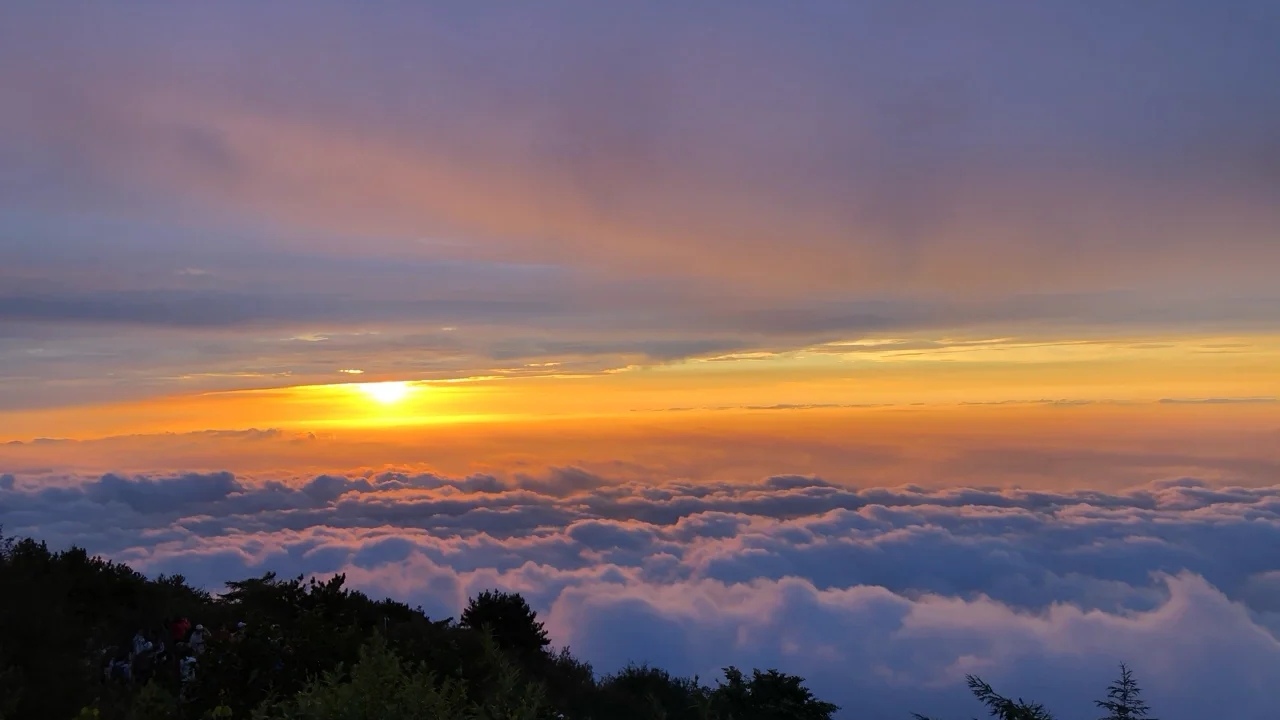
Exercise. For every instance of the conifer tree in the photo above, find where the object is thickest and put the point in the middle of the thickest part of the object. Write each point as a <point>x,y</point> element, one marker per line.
<point>1001,707</point>
<point>1124,701</point>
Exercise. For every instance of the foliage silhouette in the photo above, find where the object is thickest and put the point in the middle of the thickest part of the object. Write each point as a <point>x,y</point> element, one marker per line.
<point>1123,701</point>
<point>647,693</point>
<point>314,650</point>
<point>294,649</point>
<point>514,624</point>
<point>1002,707</point>
<point>380,685</point>
<point>766,696</point>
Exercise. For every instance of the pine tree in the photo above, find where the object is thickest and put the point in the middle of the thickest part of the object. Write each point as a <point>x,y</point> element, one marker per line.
<point>1001,707</point>
<point>1005,708</point>
<point>1124,701</point>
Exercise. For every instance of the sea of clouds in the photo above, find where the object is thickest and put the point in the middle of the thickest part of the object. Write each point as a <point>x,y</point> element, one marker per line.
<point>883,598</point>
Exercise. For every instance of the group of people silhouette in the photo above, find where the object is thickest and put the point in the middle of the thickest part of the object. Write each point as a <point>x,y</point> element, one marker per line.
<point>174,650</point>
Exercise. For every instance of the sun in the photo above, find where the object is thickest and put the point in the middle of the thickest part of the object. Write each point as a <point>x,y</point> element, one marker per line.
<point>386,393</point>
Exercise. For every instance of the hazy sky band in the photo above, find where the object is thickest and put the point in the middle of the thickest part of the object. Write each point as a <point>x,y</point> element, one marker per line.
<point>678,183</point>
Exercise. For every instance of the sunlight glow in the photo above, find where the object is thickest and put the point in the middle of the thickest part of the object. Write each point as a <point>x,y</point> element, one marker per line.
<point>387,393</point>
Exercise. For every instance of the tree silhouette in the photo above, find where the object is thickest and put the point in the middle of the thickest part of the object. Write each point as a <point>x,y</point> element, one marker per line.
<point>514,624</point>
<point>380,685</point>
<point>1124,701</point>
<point>640,692</point>
<point>1001,707</point>
<point>317,650</point>
<point>767,695</point>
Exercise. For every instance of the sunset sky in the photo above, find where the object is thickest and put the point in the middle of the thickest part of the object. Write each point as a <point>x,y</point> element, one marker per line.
<point>954,325</point>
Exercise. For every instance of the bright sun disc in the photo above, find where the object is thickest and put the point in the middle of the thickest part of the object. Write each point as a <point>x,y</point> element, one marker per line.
<point>387,393</point>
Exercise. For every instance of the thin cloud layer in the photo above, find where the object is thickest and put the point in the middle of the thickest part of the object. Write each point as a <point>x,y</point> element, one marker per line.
<point>638,180</point>
<point>614,136</point>
<point>884,597</point>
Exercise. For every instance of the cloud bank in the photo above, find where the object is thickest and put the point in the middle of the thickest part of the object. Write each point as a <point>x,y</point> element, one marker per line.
<point>883,597</point>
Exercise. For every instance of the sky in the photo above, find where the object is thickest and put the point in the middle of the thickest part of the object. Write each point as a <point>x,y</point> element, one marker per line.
<point>880,342</point>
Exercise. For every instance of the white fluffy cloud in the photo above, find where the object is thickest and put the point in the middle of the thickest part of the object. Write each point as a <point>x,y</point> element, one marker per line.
<point>882,597</point>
